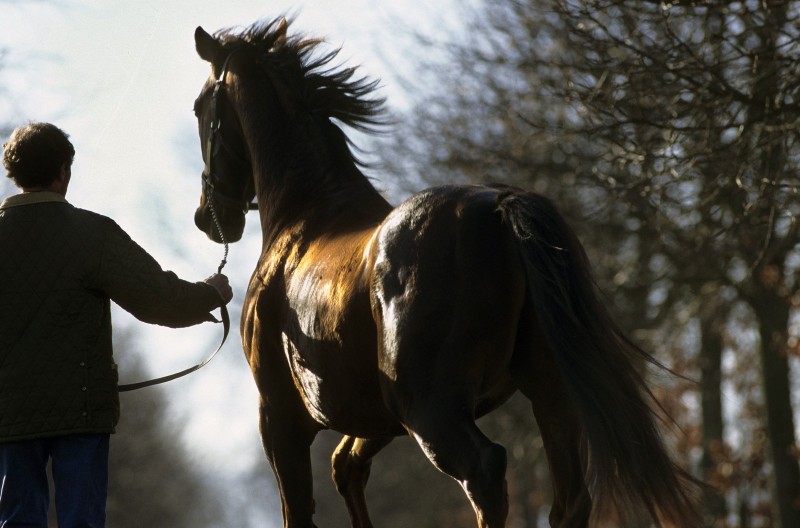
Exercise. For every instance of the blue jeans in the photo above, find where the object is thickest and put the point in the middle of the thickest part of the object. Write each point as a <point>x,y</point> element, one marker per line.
<point>80,474</point>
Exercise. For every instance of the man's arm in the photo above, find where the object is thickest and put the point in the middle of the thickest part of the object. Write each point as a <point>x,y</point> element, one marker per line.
<point>135,281</point>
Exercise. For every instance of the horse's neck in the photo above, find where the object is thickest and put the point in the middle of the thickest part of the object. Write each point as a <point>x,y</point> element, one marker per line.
<point>303,176</point>
<point>321,206</point>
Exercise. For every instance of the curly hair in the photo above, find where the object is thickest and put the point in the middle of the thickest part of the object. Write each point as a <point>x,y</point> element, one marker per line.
<point>35,154</point>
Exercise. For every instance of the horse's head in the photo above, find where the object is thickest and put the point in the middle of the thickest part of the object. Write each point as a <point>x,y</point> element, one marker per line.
<point>228,186</point>
<point>265,117</point>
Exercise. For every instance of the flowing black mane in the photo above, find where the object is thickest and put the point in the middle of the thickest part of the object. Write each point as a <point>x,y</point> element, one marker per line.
<point>322,87</point>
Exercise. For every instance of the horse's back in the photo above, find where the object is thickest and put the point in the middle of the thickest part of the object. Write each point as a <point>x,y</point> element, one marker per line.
<point>448,290</point>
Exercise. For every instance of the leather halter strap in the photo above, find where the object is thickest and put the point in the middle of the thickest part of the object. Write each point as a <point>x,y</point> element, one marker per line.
<point>215,137</point>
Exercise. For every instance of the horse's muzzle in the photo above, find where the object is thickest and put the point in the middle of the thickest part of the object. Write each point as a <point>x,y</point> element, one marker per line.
<point>232,225</point>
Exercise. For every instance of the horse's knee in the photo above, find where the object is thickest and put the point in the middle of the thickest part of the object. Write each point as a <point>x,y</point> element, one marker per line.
<point>488,477</point>
<point>348,467</point>
<point>493,461</point>
<point>486,486</point>
<point>340,464</point>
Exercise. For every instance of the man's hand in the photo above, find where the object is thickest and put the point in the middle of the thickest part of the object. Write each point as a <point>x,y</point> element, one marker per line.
<point>220,283</point>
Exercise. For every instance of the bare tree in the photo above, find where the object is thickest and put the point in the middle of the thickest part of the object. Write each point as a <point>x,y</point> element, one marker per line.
<point>668,132</point>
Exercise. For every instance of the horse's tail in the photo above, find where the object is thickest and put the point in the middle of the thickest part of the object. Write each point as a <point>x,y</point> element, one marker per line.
<point>626,462</point>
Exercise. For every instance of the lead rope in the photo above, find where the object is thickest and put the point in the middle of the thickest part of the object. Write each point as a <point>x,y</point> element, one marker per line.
<point>224,319</point>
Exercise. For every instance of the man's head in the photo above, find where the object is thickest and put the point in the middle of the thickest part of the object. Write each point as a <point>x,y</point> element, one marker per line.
<point>36,154</point>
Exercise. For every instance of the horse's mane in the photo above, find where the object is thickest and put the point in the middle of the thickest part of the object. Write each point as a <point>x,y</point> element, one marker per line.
<point>311,83</point>
<point>322,87</point>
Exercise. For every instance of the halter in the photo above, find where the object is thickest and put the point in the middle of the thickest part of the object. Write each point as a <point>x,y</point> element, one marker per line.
<point>209,176</point>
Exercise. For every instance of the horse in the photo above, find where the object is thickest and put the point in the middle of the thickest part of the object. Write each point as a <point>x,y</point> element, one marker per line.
<point>378,321</point>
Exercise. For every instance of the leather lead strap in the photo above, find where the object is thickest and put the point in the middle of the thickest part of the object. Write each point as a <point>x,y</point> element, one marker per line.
<point>226,326</point>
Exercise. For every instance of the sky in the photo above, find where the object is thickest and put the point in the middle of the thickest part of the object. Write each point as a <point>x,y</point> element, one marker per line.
<point>120,77</point>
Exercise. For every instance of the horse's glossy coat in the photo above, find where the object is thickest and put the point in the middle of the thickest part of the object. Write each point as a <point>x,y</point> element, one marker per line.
<point>377,321</point>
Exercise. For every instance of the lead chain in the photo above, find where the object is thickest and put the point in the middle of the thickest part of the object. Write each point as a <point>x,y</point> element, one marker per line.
<point>222,238</point>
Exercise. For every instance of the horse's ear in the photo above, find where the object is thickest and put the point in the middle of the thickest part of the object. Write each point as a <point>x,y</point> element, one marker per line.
<point>207,46</point>
<point>280,32</point>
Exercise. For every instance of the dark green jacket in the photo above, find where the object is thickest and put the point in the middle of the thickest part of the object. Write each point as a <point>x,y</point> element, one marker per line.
<point>59,267</point>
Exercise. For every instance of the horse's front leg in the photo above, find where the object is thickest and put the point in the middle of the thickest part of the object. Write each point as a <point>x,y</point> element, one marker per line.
<point>287,430</point>
<point>287,442</point>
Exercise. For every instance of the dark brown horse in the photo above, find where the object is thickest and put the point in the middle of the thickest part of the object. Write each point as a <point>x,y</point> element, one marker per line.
<point>378,321</point>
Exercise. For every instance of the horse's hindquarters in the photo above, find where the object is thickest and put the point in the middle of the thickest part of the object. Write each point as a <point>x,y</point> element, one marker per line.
<point>447,291</point>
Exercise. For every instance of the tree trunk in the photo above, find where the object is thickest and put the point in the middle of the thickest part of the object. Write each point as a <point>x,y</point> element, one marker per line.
<point>711,406</point>
<point>773,315</point>
<point>771,304</point>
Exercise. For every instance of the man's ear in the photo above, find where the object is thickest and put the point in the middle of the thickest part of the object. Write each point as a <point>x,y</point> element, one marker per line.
<point>61,182</point>
<point>207,46</point>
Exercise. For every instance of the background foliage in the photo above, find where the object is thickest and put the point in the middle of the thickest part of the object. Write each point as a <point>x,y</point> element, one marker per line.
<point>668,132</point>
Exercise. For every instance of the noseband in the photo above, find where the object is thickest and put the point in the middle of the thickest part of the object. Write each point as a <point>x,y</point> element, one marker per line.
<point>215,138</point>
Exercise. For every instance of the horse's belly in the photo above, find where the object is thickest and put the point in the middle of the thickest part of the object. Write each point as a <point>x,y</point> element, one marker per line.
<point>339,396</point>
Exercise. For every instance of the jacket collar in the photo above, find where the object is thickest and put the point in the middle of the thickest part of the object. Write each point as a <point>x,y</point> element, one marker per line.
<point>32,198</point>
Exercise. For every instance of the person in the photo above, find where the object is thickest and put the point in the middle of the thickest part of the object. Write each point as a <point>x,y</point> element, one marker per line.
<point>60,267</point>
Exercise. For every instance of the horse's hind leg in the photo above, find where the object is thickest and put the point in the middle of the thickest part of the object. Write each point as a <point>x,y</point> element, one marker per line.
<point>454,444</point>
<point>351,464</point>
<point>538,378</point>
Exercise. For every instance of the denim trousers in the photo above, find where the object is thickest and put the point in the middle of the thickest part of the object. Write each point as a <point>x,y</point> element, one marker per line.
<point>80,476</point>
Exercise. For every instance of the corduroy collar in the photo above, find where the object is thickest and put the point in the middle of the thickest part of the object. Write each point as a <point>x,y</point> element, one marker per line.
<point>32,198</point>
